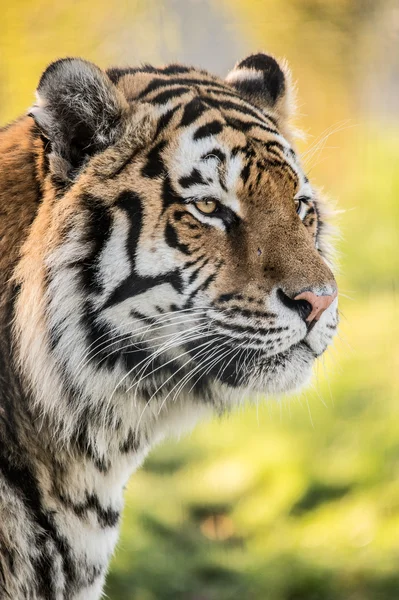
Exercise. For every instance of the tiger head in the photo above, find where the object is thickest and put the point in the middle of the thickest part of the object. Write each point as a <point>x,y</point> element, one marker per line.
<point>180,248</point>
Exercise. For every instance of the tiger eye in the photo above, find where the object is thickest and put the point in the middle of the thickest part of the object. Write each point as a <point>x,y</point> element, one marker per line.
<point>206,206</point>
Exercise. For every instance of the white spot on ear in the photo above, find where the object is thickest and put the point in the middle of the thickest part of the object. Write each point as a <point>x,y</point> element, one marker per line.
<point>244,75</point>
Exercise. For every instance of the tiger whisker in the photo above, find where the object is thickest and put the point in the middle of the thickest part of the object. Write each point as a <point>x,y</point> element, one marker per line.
<point>182,339</point>
<point>128,336</point>
<point>192,337</point>
<point>134,331</point>
<point>158,318</point>
<point>319,144</point>
<point>181,383</point>
<point>161,349</point>
<point>189,375</point>
<point>164,364</point>
<point>209,365</point>
<point>208,343</point>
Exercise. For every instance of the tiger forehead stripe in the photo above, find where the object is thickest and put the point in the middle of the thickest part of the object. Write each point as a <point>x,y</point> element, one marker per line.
<point>214,93</point>
<point>181,81</point>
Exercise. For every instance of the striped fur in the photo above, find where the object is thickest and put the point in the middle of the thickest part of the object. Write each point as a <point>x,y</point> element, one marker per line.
<point>128,313</point>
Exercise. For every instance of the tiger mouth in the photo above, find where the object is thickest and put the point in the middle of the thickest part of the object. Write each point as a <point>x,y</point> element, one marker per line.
<point>227,362</point>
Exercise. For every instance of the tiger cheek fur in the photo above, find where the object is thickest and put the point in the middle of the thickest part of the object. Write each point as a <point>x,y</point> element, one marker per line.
<point>162,253</point>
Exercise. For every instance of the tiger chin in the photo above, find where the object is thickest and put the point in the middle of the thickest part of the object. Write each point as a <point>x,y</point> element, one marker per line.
<point>162,253</point>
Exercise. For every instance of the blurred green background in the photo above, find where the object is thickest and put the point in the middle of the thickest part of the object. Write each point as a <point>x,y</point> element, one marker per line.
<point>296,499</point>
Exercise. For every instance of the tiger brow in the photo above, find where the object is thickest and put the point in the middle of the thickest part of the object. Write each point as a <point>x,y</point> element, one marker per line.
<point>221,165</point>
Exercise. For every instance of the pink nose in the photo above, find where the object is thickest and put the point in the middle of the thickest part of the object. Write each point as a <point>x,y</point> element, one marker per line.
<point>318,303</point>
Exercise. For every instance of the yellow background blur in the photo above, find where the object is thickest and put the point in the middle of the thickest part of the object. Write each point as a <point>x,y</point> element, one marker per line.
<point>296,500</point>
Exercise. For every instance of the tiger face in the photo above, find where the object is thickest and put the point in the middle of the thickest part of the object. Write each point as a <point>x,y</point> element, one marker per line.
<point>180,248</point>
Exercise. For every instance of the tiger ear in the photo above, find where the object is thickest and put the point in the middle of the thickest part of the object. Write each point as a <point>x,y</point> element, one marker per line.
<point>79,110</point>
<point>263,81</point>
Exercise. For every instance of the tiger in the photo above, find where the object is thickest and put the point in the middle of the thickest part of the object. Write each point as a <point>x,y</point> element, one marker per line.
<point>162,255</point>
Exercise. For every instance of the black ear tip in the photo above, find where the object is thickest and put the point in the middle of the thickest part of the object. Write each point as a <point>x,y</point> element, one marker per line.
<point>260,62</point>
<point>273,76</point>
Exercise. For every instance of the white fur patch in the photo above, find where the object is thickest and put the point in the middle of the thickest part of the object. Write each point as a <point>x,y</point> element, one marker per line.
<point>188,156</point>
<point>245,75</point>
<point>114,264</point>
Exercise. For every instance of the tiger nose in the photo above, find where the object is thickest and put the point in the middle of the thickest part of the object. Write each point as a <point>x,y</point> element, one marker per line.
<point>311,306</point>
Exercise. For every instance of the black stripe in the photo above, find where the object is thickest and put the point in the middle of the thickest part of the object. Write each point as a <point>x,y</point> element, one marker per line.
<point>134,284</point>
<point>238,149</point>
<point>247,125</point>
<point>154,166</point>
<point>116,73</point>
<point>195,261</point>
<point>202,287</point>
<point>286,168</point>
<point>106,517</point>
<point>249,314</point>
<point>174,92</point>
<point>194,178</point>
<point>175,279</point>
<point>165,119</point>
<point>98,230</point>
<point>245,110</point>
<point>157,83</point>
<point>189,220</point>
<point>226,92</point>
<point>193,111</point>
<point>173,241</point>
<point>130,444</point>
<point>245,172</point>
<point>169,196</point>
<point>191,225</point>
<point>244,107</point>
<point>230,296</point>
<point>267,163</point>
<point>84,445</point>
<point>212,128</point>
<point>272,144</point>
<point>319,222</point>
<point>175,69</point>
<point>222,184</point>
<point>97,337</point>
<point>135,314</point>
<point>124,164</point>
<point>197,270</point>
<point>21,479</point>
<point>239,100</point>
<point>248,328</point>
